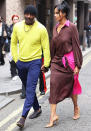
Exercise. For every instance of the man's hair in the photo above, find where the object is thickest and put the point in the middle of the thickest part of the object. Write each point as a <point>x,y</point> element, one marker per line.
<point>30,9</point>
<point>64,8</point>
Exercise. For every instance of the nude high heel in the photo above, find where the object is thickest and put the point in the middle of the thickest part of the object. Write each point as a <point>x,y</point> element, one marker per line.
<point>76,113</point>
<point>53,122</point>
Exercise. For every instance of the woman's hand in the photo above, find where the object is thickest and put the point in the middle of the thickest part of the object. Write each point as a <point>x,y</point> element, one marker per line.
<point>76,70</point>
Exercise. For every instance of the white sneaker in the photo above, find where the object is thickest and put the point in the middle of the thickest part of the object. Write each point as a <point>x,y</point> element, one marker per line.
<point>14,78</point>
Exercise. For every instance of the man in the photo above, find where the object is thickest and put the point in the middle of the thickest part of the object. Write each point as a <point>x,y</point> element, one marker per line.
<point>13,69</point>
<point>3,35</point>
<point>33,38</point>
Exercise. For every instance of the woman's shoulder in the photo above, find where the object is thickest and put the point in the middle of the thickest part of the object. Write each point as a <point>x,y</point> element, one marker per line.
<point>73,27</point>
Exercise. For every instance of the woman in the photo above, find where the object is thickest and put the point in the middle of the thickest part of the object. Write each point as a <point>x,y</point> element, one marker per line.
<point>13,69</point>
<point>66,61</point>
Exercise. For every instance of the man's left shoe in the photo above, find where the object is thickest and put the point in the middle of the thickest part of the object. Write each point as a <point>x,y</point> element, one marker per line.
<point>22,96</point>
<point>35,114</point>
<point>21,122</point>
<point>42,93</point>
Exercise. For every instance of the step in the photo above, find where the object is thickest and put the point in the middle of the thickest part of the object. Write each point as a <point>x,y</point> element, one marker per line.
<point>5,101</point>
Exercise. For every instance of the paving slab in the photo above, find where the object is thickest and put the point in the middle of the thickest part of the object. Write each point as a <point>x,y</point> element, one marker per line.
<point>5,101</point>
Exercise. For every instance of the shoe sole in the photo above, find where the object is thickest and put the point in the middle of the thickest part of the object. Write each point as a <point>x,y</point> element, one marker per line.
<point>36,116</point>
<point>21,126</point>
<point>76,118</point>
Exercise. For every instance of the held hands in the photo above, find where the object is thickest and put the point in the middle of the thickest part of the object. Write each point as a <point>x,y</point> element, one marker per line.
<point>76,70</point>
<point>44,69</point>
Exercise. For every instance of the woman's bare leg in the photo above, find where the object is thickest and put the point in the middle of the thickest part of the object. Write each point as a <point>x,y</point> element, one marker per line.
<point>76,107</point>
<point>53,116</point>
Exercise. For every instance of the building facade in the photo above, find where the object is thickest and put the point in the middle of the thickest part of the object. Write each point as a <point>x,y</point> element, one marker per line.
<point>79,12</point>
<point>45,10</point>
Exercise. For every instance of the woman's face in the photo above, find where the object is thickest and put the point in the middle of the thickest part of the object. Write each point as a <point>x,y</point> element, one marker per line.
<point>15,20</point>
<point>58,15</point>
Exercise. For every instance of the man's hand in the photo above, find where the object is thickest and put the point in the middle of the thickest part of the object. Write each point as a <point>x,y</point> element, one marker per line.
<point>76,70</point>
<point>44,69</point>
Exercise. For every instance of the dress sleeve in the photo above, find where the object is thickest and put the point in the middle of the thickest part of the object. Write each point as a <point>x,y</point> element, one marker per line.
<point>52,46</point>
<point>52,49</point>
<point>76,47</point>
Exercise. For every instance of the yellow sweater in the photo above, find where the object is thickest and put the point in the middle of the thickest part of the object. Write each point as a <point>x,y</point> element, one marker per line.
<point>32,40</point>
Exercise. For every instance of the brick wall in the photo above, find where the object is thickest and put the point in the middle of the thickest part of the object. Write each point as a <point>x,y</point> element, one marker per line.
<point>14,7</point>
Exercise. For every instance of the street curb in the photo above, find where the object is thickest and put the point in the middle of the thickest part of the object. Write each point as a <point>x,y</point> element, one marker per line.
<point>19,89</point>
<point>11,92</point>
<point>6,102</point>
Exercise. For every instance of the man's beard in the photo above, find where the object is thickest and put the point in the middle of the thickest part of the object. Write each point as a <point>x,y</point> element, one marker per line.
<point>29,21</point>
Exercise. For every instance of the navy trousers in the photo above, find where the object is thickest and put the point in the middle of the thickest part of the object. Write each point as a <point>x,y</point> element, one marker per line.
<point>29,73</point>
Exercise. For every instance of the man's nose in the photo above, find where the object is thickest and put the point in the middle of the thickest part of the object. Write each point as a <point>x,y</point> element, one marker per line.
<point>29,16</point>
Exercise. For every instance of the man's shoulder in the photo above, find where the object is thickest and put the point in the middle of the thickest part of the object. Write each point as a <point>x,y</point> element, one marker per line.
<point>40,25</point>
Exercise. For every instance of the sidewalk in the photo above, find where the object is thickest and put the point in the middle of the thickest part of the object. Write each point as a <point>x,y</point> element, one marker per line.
<point>8,86</point>
<point>87,50</point>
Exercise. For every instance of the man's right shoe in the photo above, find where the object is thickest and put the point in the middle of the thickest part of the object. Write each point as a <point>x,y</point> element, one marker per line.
<point>35,114</point>
<point>21,122</point>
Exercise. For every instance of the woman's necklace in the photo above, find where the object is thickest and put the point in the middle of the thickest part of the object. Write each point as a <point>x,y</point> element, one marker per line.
<point>27,29</point>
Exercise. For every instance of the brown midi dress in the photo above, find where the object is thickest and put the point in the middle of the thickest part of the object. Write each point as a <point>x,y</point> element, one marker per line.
<point>62,79</point>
